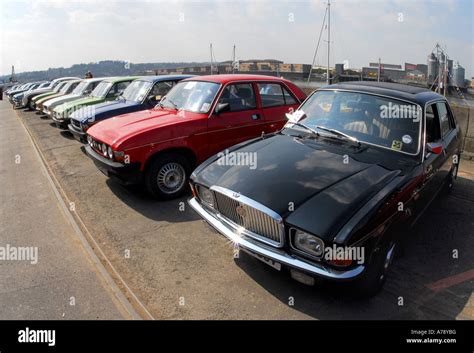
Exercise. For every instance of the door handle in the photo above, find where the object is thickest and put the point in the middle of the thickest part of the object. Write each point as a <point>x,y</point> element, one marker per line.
<point>255,116</point>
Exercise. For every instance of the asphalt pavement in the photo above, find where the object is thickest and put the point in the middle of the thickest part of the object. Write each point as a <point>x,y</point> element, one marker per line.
<point>46,271</point>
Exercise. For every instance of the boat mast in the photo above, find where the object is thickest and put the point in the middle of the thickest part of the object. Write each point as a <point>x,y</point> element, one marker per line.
<point>329,41</point>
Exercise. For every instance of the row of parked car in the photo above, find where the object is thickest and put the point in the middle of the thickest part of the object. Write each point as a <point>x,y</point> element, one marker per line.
<point>293,180</point>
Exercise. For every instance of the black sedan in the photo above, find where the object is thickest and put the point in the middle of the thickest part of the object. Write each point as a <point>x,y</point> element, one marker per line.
<point>324,196</point>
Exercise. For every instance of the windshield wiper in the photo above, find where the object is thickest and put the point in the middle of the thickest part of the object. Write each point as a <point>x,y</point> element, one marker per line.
<point>313,132</point>
<point>339,133</point>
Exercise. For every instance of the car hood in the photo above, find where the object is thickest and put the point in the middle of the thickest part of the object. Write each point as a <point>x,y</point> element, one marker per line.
<point>62,99</point>
<point>315,186</point>
<point>119,128</point>
<point>79,102</point>
<point>108,109</point>
<point>37,91</point>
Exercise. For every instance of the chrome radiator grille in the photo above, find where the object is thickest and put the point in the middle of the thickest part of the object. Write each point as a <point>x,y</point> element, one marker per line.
<point>258,221</point>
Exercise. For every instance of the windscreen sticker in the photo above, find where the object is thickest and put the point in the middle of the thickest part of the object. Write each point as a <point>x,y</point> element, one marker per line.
<point>407,139</point>
<point>397,145</point>
<point>205,107</point>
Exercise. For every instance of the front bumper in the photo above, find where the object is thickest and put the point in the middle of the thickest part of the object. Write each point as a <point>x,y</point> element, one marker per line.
<point>61,123</point>
<point>276,255</point>
<point>77,133</point>
<point>124,173</point>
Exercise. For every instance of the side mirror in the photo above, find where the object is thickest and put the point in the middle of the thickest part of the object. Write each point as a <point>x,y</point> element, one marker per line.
<point>222,108</point>
<point>434,147</point>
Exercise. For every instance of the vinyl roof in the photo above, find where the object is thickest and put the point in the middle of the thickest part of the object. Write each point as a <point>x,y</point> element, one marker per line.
<point>414,94</point>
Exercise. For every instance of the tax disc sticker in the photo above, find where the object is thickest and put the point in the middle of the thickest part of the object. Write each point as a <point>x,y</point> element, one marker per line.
<point>397,145</point>
<point>407,139</point>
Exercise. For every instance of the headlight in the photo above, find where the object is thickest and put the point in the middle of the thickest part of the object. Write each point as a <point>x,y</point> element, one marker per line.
<point>205,195</point>
<point>104,149</point>
<point>308,243</point>
<point>110,152</point>
<point>89,140</point>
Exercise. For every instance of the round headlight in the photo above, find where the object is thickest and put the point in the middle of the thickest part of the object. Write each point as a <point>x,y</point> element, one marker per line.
<point>104,149</point>
<point>308,243</point>
<point>110,152</point>
<point>89,139</point>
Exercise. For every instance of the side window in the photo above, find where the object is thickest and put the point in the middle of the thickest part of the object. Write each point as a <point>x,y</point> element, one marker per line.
<point>161,88</point>
<point>239,96</point>
<point>444,117</point>
<point>433,131</point>
<point>289,99</point>
<point>271,94</point>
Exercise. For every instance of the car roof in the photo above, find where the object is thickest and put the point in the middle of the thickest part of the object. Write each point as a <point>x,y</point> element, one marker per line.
<point>415,94</point>
<point>159,78</point>
<point>235,77</point>
<point>120,79</point>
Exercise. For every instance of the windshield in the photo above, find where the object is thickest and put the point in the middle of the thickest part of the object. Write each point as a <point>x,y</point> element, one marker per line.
<point>380,121</point>
<point>81,87</point>
<point>101,90</point>
<point>66,87</point>
<point>60,86</point>
<point>137,90</point>
<point>194,96</point>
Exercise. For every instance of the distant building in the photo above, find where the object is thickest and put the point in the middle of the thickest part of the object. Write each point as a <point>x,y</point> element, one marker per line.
<point>416,75</point>
<point>265,67</point>
<point>458,75</point>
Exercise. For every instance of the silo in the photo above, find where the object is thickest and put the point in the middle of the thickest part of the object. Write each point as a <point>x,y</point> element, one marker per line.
<point>458,75</point>
<point>432,67</point>
<point>450,71</point>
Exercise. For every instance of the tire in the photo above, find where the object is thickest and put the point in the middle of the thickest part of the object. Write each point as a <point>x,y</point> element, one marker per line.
<point>375,275</point>
<point>167,176</point>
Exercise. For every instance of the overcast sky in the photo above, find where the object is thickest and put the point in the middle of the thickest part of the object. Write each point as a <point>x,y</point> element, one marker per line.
<point>36,35</point>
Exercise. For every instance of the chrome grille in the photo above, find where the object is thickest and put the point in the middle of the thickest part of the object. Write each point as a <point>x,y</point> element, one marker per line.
<point>258,221</point>
<point>76,123</point>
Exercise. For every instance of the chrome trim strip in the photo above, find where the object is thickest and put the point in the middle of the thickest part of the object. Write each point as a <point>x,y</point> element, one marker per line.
<point>362,212</point>
<point>274,254</point>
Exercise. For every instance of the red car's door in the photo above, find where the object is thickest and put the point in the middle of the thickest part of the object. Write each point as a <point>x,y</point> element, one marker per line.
<point>242,121</point>
<point>276,100</point>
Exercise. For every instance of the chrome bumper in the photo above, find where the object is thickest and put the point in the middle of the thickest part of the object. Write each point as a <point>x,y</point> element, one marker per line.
<point>277,255</point>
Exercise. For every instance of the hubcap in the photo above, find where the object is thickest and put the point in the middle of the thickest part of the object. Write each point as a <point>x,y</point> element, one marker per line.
<point>171,178</point>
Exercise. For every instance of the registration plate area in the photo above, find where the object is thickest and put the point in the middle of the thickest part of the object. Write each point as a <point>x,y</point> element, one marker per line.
<point>264,259</point>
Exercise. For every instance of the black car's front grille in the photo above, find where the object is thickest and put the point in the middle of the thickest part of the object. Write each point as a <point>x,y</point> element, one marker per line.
<point>252,218</point>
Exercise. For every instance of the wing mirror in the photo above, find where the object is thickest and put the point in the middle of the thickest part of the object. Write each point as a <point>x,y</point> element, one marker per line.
<point>222,108</point>
<point>434,147</point>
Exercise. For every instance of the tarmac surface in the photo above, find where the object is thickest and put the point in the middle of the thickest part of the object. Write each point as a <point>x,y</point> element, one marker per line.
<point>179,268</point>
<point>54,276</point>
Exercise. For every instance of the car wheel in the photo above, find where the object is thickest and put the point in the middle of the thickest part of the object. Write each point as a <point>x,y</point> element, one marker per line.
<point>167,176</point>
<point>375,275</point>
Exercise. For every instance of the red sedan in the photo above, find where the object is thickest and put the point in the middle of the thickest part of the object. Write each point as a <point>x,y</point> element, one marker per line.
<point>198,118</point>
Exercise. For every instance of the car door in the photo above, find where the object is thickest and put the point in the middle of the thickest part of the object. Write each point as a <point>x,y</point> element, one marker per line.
<point>276,100</point>
<point>434,164</point>
<point>450,137</point>
<point>241,122</point>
